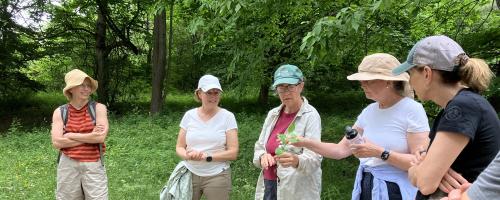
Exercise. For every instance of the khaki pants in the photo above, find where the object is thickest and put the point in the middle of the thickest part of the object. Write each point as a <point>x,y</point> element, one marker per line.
<point>81,180</point>
<point>215,187</point>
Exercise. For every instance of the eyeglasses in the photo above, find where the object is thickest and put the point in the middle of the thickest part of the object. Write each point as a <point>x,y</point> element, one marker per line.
<point>286,88</point>
<point>212,93</point>
<point>84,85</point>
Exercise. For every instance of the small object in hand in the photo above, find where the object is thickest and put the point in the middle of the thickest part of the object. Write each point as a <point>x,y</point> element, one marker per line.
<point>280,150</point>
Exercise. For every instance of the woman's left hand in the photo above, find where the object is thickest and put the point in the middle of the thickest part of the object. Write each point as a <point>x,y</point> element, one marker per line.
<point>366,150</point>
<point>287,159</point>
<point>452,180</point>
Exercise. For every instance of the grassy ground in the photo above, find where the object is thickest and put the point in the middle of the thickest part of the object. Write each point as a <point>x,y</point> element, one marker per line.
<point>141,155</point>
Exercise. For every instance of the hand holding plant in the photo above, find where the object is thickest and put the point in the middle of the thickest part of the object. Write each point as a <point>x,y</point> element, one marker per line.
<point>285,139</point>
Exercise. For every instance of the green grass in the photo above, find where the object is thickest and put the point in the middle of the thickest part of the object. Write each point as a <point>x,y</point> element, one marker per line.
<point>141,153</point>
<point>141,156</point>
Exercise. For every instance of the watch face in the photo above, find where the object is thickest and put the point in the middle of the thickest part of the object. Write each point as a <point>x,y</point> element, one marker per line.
<point>385,155</point>
<point>209,159</point>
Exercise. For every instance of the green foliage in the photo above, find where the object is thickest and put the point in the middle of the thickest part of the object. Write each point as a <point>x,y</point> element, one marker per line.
<point>290,136</point>
<point>18,44</point>
<point>141,154</point>
<point>15,126</point>
<point>348,31</point>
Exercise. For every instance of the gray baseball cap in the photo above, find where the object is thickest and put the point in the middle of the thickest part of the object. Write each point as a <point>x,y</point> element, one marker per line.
<point>438,52</point>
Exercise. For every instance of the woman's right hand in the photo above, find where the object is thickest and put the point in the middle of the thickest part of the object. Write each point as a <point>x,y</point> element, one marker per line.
<point>302,142</point>
<point>194,155</point>
<point>419,156</point>
<point>267,160</point>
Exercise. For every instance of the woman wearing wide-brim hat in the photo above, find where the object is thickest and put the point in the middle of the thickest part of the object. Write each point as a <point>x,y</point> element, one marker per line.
<point>79,130</point>
<point>392,128</point>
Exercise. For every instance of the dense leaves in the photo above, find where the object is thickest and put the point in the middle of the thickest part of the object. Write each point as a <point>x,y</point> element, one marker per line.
<point>241,41</point>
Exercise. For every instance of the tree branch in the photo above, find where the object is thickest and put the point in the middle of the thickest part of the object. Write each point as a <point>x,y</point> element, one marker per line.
<point>103,7</point>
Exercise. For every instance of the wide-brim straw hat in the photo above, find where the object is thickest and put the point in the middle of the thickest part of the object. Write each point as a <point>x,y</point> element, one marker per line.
<point>75,78</point>
<point>379,66</point>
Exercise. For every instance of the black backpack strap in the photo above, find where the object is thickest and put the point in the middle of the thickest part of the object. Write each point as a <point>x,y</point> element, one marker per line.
<point>92,111</point>
<point>64,117</point>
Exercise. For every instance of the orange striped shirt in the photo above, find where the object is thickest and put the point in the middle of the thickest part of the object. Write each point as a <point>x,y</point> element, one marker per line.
<point>80,121</point>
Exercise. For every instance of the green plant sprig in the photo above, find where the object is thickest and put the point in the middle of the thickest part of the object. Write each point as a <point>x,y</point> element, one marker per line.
<point>289,137</point>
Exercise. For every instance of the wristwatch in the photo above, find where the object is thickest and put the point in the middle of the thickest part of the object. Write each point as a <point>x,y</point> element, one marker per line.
<point>209,158</point>
<point>385,155</point>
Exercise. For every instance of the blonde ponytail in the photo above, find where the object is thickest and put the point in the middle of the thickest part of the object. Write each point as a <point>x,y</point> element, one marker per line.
<point>476,74</point>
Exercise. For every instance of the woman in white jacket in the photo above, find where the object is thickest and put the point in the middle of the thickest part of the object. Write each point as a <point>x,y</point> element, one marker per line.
<point>296,173</point>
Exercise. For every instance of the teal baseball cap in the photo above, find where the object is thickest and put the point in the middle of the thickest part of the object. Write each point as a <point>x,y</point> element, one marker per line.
<point>287,74</point>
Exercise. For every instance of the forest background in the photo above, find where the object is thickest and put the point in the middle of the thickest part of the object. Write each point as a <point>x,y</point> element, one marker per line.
<point>148,55</point>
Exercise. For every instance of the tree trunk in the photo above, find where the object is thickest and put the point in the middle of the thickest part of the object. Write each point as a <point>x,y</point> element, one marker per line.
<point>170,43</point>
<point>264,94</point>
<point>158,61</point>
<point>101,54</point>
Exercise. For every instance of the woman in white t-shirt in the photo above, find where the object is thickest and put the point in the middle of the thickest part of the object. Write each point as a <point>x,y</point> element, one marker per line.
<point>207,141</point>
<point>393,127</point>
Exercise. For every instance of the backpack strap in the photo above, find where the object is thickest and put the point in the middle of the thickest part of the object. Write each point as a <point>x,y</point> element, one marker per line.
<point>91,108</point>
<point>64,117</point>
<point>92,111</point>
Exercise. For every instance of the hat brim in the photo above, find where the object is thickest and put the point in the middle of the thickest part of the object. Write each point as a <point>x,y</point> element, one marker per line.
<point>285,81</point>
<point>211,86</point>
<point>366,76</point>
<point>66,89</point>
<point>402,68</point>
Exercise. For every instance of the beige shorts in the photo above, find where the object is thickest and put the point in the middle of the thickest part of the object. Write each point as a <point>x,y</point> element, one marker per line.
<point>81,180</point>
<point>215,187</point>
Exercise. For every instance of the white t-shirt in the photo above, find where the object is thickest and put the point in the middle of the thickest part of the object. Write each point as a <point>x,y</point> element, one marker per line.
<point>209,136</point>
<point>389,127</point>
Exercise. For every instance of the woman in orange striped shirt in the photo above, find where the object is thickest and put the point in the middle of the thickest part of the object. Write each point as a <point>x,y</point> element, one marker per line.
<point>79,129</point>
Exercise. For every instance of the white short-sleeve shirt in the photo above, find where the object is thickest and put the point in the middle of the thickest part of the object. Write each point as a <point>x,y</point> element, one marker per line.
<point>209,137</point>
<point>389,127</point>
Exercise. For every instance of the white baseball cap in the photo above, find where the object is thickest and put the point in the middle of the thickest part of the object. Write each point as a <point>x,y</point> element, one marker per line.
<point>208,82</point>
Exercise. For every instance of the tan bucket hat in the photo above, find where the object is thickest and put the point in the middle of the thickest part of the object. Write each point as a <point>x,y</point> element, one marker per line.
<point>378,66</point>
<point>75,78</point>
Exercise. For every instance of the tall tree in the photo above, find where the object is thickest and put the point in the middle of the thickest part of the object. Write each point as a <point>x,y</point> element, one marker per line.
<point>256,38</point>
<point>19,44</point>
<point>101,53</point>
<point>158,61</point>
<point>103,50</point>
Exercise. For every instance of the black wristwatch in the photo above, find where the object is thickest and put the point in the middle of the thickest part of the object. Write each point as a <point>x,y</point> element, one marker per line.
<point>385,155</point>
<point>209,159</point>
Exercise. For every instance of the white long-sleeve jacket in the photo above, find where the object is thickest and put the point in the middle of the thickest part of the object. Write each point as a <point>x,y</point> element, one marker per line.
<point>299,183</point>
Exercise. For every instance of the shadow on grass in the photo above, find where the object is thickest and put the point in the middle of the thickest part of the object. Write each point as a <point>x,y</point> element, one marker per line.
<point>36,110</point>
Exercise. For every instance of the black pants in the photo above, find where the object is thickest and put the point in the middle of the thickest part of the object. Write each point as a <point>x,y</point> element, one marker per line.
<point>270,189</point>
<point>367,185</point>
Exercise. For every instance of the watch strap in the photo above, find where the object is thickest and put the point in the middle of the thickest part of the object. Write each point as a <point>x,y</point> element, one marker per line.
<point>385,155</point>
